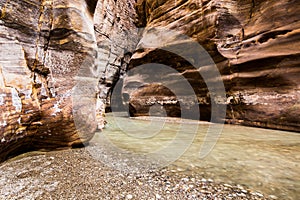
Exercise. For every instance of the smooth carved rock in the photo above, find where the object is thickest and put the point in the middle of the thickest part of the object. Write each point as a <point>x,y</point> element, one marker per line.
<point>116,36</point>
<point>254,44</point>
<point>51,69</point>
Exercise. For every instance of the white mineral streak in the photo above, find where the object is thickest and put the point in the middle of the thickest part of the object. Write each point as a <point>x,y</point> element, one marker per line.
<point>57,109</point>
<point>264,98</point>
<point>2,84</point>
<point>4,123</point>
<point>2,99</point>
<point>100,108</point>
<point>27,94</point>
<point>167,102</point>
<point>16,100</point>
<point>43,91</point>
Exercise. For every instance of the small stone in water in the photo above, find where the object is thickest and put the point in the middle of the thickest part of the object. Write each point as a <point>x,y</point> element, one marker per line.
<point>241,195</point>
<point>273,197</point>
<point>240,187</point>
<point>227,185</point>
<point>259,194</point>
<point>244,191</point>
<point>129,196</point>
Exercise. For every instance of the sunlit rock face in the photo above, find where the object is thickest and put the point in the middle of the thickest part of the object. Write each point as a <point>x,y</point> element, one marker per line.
<point>255,45</point>
<point>54,56</point>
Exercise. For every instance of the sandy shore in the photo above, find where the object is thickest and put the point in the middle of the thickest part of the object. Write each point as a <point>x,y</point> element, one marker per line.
<point>75,174</point>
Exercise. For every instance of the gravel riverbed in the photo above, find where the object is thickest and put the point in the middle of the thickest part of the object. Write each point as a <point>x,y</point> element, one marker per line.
<point>75,174</point>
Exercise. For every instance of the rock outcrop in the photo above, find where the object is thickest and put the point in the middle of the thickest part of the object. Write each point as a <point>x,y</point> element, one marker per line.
<point>254,44</point>
<point>53,57</point>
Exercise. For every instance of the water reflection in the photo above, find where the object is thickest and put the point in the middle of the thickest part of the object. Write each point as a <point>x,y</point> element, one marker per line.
<point>261,159</point>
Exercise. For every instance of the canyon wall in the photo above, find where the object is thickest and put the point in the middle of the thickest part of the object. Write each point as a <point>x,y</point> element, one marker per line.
<point>57,59</point>
<point>254,44</point>
<point>60,61</point>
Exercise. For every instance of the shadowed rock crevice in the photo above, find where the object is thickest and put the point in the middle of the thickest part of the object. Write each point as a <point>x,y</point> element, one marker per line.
<point>91,4</point>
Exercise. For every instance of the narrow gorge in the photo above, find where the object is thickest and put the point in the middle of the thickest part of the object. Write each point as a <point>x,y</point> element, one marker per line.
<point>149,99</point>
<point>60,61</point>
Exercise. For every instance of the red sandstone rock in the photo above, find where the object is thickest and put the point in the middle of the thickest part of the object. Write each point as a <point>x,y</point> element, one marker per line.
<point>50,68</point>
<point>255,45</point>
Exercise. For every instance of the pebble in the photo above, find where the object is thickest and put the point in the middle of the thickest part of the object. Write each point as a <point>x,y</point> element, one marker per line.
<point>180,170</point>
<point>227,185</point>
<point>244,191</point>
<point>240,187</point>
<point>241,195</point>
<point>185,188</point>
<point>185,179</point>
<point>156,185</point>
<point>273,197</point>
<point>157,196</point>
<point>259,194</point>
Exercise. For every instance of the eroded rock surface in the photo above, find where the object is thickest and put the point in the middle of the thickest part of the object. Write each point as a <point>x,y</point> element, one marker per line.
<point>254,45</point>
<point>53,57</point>
<point>59,62</point>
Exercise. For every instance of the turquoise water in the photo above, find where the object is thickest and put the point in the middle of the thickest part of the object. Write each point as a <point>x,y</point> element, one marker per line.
<point>261,159</point>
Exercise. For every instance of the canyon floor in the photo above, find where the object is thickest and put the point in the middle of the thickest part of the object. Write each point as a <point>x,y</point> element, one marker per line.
<point>75,174</point>
<point>245,163</point>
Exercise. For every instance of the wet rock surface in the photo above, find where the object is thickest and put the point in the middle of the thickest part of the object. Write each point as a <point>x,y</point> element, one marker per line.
<point>74,174</point>
<point>254,46</point>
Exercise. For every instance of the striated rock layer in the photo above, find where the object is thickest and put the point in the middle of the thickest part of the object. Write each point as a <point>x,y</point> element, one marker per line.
<point>255,45</point>
<point>53,57</point>
<point>60,60</point>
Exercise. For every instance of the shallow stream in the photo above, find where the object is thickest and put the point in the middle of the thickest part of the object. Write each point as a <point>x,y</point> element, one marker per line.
<point>261,159</point>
